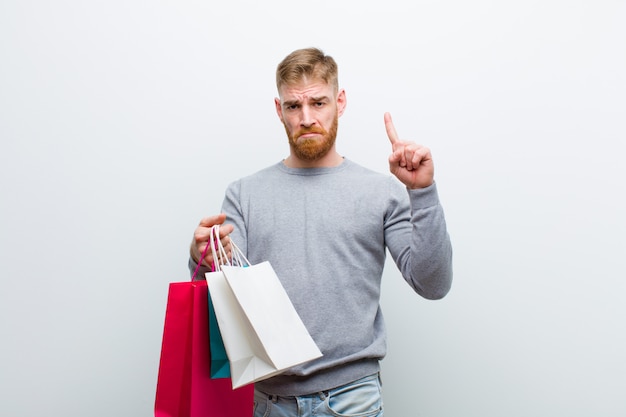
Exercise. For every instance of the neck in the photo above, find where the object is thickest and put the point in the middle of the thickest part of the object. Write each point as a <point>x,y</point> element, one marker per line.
<point>331,159</point>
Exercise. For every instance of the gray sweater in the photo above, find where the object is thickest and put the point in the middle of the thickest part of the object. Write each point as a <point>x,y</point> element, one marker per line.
<point>325,231</point>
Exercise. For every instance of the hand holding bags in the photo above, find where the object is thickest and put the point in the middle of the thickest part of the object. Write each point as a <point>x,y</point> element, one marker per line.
<point>262,332</point>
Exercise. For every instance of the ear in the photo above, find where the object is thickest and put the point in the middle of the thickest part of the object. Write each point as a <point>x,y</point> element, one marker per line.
<point>279,109</point>
<point>341,102</point>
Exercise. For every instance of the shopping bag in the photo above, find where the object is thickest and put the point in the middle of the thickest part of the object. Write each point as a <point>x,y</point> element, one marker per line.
<point>184,385</point>
<point>220,367</point>
<point>262,332</point>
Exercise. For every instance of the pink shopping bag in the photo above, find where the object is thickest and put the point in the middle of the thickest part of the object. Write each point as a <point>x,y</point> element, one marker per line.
<point>184,386</point>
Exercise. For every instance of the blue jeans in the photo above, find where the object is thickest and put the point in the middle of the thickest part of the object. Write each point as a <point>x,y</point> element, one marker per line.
<point>361,398</point>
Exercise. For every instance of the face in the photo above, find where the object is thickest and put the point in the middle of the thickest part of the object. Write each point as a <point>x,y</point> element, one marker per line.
<point>310,113</point>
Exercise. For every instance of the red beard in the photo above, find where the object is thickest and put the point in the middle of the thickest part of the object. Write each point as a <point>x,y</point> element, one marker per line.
<point>312,149</point>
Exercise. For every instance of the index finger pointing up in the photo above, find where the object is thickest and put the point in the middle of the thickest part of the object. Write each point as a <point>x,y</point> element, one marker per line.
<point>391,130</point>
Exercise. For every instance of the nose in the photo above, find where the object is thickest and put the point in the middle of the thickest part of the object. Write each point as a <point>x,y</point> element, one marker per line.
<point>308,118</point>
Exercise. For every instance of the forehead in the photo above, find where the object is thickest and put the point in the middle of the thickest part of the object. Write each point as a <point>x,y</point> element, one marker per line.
<point>305,89</point>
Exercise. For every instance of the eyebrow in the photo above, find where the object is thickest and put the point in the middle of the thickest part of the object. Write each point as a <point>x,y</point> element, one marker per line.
<point>321,98</point>
<point>288,103</point>
<point>311,100</point>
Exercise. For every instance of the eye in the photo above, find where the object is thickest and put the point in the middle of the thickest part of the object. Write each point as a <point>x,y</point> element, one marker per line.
<point>319,104</point>
<point>293,107</point>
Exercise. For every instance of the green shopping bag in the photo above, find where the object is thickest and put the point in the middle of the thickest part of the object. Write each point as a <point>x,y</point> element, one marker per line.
<point>220,366</point>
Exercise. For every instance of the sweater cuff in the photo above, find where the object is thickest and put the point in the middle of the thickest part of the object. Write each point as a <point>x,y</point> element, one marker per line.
<point>424,197</point>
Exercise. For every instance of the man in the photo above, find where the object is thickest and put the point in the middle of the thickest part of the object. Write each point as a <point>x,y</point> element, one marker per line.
<point>325,223</point>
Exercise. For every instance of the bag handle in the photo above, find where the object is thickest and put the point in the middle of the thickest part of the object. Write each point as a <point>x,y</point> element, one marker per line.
<point>206,248</point>
<point>237,258</point>
<point>219,253</point>
<point>220,257</point>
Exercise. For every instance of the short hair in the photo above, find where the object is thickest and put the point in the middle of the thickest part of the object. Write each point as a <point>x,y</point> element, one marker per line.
<point>307,63</point>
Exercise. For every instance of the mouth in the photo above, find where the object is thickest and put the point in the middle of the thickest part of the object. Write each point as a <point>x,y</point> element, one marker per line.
<point>309,135</point>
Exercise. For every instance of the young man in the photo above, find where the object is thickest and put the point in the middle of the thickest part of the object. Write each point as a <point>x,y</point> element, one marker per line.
<point>325,223</point>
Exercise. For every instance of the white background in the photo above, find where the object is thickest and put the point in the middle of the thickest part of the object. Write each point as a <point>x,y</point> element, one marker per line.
<point>121,123</point>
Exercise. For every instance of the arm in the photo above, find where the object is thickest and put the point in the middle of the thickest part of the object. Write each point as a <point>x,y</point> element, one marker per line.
<point>425,256</point>
<point>419,243</point>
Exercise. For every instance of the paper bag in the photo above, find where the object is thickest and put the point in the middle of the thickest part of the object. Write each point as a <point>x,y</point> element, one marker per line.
<point>262,332</point>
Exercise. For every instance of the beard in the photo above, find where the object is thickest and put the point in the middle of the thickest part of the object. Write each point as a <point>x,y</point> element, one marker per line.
<point>310,149</point>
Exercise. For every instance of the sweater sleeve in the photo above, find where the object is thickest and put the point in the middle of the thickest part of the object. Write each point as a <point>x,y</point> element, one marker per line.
<point>234,210</point>
<point>418,241</point>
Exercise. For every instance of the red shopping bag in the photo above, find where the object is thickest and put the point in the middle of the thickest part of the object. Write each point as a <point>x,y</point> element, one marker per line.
<point>184,385</point>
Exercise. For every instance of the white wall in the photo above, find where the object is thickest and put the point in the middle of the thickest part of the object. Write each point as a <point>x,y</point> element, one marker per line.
<point>121,122</point>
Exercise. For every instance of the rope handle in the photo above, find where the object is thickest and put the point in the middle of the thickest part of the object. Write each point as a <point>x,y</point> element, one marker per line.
<point>219,253</point>
<point>206,248</point>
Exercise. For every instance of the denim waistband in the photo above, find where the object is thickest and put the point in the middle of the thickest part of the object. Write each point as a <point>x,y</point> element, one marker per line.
<point>324,380</point>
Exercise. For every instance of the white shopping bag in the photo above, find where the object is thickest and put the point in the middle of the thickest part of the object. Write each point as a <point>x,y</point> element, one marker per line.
<point>262,332</point>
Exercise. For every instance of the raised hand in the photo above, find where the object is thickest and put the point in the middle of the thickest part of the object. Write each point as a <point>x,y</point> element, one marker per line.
<point>411,163</point>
